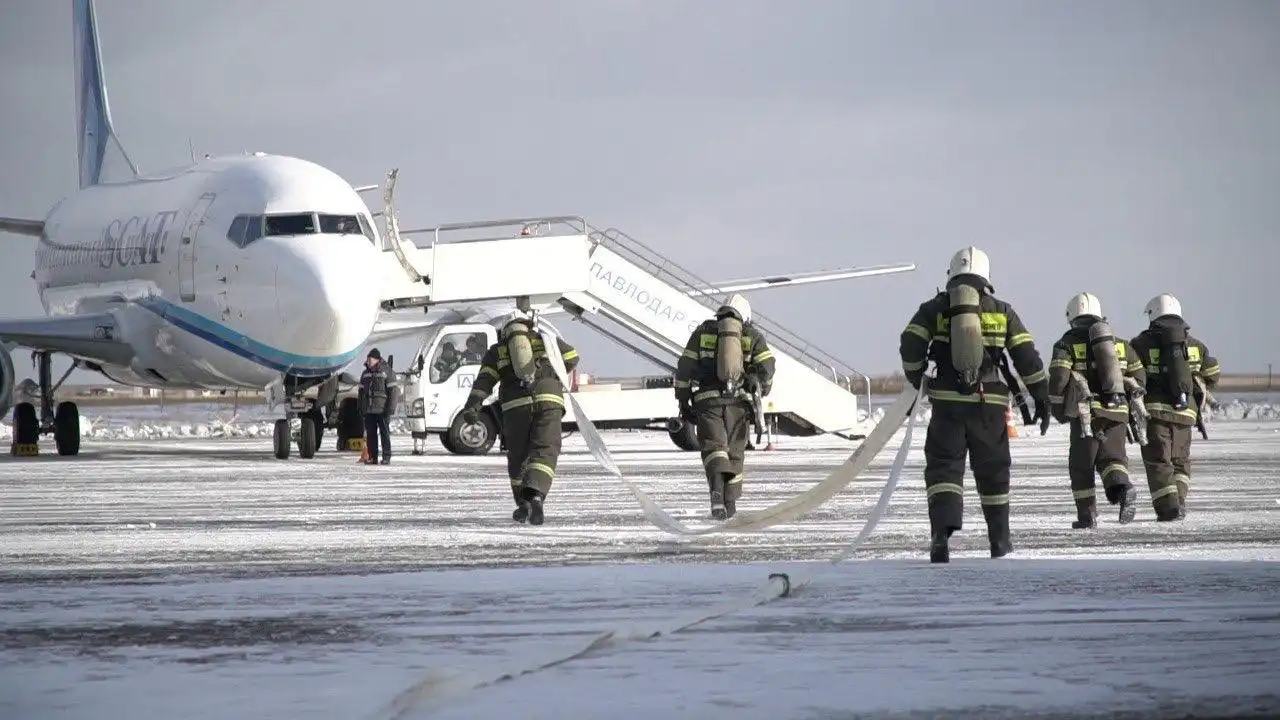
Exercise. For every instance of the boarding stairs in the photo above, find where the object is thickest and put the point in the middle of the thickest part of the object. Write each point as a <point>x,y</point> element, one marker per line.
<point>653,304</point>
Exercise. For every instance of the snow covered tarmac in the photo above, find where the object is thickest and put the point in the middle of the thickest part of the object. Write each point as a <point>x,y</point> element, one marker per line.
<point>202,579</point>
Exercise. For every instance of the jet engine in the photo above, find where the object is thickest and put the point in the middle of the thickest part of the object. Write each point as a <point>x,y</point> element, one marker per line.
<point>6,380</point>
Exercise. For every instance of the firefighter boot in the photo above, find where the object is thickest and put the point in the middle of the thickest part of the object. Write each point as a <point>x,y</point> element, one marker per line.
<point>997,517</point>
<point>1086,515</point>
<point>718,509</point>
<point>534,500</point>
<point>1128,502</point>
<point>521,512</point>
<point>939,552</point>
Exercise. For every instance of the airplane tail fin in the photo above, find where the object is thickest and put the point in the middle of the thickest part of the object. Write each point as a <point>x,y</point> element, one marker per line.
<point>99,148</point>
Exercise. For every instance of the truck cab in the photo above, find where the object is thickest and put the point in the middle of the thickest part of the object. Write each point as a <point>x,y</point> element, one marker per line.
<point>437,383</point>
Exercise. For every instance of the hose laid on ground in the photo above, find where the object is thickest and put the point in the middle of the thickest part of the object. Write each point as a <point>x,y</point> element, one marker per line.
<point>746,521</point>
<point>441,685</point>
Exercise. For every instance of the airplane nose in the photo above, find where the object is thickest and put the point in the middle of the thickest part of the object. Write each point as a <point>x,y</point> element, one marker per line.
<point>328,304</point>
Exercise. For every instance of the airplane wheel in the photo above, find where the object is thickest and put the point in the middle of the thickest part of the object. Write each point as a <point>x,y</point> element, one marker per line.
<point>686,437</point>
<point>26,424</point>
<point>66,428</point>
<point>280,437</point>
<point>473,439</point>
<point>307,437</point>
<point>317,421</point>
<point>350,424</point>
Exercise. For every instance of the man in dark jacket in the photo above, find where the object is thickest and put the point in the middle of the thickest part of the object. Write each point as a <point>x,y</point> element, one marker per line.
<point>1090,374</point>
<point>531,401</point>
<point>966,330</point>
<point>376,402</point>
<point>1180,372</point>
<point>725,361</point>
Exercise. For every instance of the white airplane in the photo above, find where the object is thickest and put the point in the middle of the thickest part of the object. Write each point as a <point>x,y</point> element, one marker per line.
<point>238,272</point>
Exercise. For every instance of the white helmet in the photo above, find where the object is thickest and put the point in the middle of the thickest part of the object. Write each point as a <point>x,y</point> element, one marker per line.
<point>970,261</point>
<point>1084,304</point>
<point>740,305</point>
<point>511,318</point>
<point>1161,305</point>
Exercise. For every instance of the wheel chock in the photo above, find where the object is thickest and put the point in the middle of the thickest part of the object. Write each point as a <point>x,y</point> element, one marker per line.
<point>24,449</point>
<point>355,445</point>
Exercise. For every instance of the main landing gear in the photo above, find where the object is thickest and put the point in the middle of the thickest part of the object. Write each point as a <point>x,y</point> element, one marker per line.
<point>313,417</point>
<point>62,420</point>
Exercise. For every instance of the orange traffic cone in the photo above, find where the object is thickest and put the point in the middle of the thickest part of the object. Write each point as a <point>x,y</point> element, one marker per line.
<point>1008,422</point>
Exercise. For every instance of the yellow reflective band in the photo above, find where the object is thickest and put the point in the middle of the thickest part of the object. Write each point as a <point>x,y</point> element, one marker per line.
<point>691,354</point>
<point>713,456</point>
<point>994,499</point>
<point>1061,363</point>
<point>1057,399</point>
<point>553,398</point>
<point>516,482</point>
<point>992,398</point>
<point>1212,371</point>
<point>681,383</point>
<point>1168,490</point>
<point>1035,377</point>
<point>993,341</point>
<point>944,488</point>
<point>486,370</point>
<point>707,341</point>
<point>1115,469</point>
<point>1019,339</point>
<point>540,467</point>
<point>763,355</point>
<point>570,355</point>
<point>503,363</point>
<point>913,366</point>
<point>1084,494</point>
<point>918,331</point>
<point>1182,479</point>
<point>734,480</point>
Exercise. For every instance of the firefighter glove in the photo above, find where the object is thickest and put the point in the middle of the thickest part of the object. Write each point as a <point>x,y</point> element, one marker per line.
<point>1042,414</point>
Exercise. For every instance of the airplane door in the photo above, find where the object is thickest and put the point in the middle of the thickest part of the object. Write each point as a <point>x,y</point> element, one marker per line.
<point>187,258</point>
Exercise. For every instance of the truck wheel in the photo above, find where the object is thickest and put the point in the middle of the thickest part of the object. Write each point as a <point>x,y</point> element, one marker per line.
<point>474,439</point>
<point>447,443</point>
<point>685,437</point>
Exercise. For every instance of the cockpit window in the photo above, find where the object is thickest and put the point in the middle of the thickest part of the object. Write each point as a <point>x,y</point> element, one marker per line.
<point>339,225</point>
<point>245,229</point>
<point>366,228</point>
<point>299,224</point>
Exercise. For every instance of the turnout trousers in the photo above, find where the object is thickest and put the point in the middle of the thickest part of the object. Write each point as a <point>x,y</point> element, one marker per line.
<point>532,434</point>
<point>1167,457</point>
<point>375,425</point>
<point>722,438</point>
<point>1106,455</point>
<point>978,429</point>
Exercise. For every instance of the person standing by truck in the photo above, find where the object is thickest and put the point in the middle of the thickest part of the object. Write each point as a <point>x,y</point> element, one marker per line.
<point>375,400</point>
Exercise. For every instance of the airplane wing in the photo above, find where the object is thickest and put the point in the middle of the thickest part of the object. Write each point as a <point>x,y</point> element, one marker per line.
<point>88,337</point>
<point>21,227</point>
<point>806,278</point>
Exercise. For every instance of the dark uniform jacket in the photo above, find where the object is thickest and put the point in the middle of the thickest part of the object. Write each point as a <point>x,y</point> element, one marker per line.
<point>1146,347</point>
<point>927,337</point>
<point>1071,353</point>
<point>374,395</point>
<point>496,369</point>
<point>697,365</point>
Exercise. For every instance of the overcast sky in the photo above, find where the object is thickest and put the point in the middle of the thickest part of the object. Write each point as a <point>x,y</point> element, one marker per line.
<point>1123,148</point>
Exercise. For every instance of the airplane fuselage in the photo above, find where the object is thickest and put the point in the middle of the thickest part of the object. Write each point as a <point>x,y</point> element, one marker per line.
<point>226,274</point>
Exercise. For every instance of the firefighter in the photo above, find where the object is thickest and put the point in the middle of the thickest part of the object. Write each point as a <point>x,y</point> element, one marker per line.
<point>965,330</point>
<point>1179,371</point>
<point>531,405</point>
<point>1087,390</point>
<point>724,364</point>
